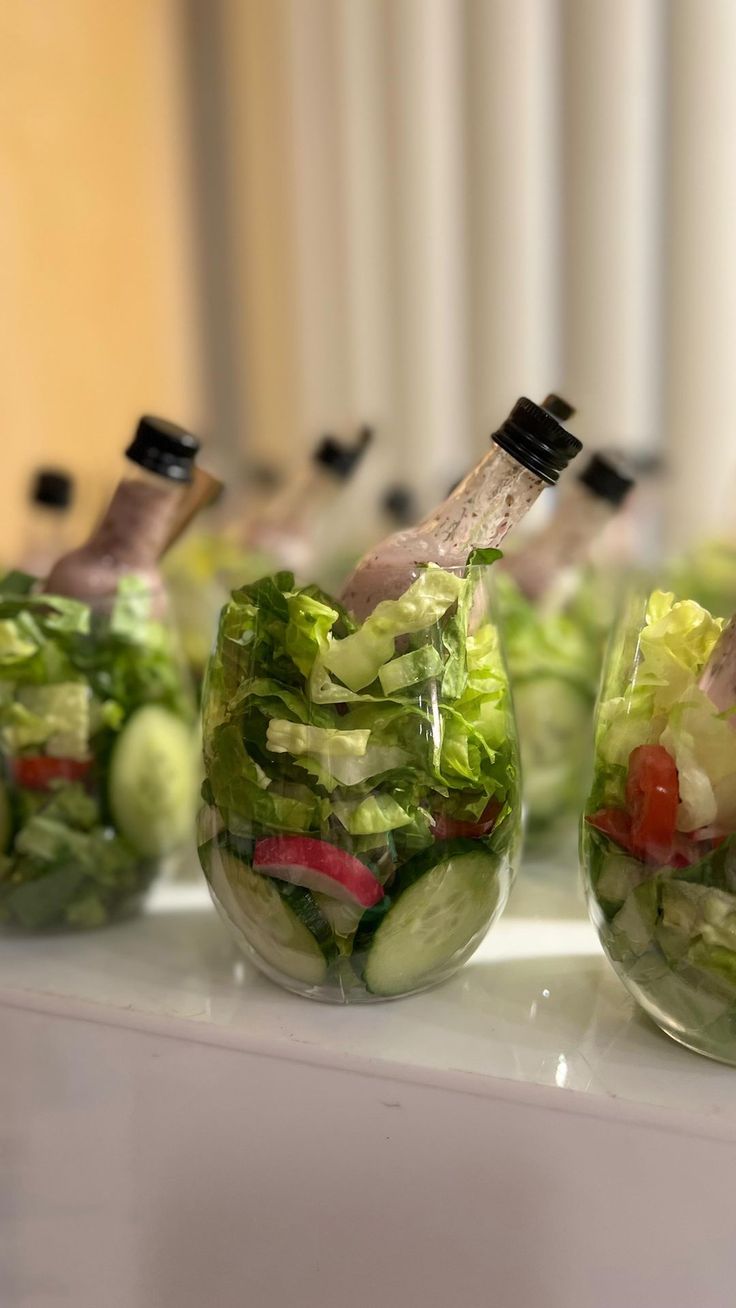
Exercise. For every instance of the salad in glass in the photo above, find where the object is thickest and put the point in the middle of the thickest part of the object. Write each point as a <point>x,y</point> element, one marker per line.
<point>361,806</point>
<point>200,572</point>
<point>659,832</point>
<point>98,763</point>
<point>554,666</point>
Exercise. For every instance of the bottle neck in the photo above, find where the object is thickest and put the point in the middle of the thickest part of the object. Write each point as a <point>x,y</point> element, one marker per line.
<point>486,505</point>
<point>292,513</point>
<point>137,522</point>
<point>491,500</point>
<point>563,543</point>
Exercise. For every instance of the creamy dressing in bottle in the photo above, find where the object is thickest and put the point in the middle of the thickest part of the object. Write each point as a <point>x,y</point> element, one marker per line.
<point>139,520</point>
<point>584,509</point>
<point>529,451</point>
<point>284,529</point>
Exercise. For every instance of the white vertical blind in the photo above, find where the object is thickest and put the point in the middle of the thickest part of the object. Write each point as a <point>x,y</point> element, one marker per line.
<point>611,187</point>
<point>701,268</point>
<point>319,217</point>
<point>512,97</point>
<point>428,283</point>
<point>460,201</point>
<point>363,164</point>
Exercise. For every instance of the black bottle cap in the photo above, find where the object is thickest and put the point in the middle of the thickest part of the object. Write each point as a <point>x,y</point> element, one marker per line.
<point>532,436</point>
<point>162,447</point>
<point>607,476</point>
<point>399,503</point>
<point>52,488</point>
<point>558,407</point>
<point>339,458</point>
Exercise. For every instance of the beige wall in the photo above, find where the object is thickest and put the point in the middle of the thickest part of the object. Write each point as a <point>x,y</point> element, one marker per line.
<point>97,313</point>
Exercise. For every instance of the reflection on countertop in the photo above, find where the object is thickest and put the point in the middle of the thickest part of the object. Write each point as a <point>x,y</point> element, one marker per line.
<point>538,1004</point>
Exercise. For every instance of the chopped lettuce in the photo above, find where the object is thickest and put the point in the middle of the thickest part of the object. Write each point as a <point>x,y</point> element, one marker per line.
<point>408,669</point>
<point>361,742</point>
<point>372,815</point>
<point>357,659</point>
<point>307,630</point>
<point>240,791</point>
<point>69,681</point>
<point>670,930</point>
<point>16,646</point>
<point>708,574</point>
<point>675,643</point>
<point>661,703</point>
<point>56,718</point>
<point>296,738</point>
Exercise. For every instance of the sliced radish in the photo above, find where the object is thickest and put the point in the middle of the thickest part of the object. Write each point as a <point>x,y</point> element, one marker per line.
<point>319,866</point>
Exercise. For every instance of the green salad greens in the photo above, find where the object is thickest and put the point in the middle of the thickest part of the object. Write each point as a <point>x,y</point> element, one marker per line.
<point>200,572</point>
<point>659,835</point>
<point>96,752</point>
<point>554,662</point>
<point>344,762</point>
<point>708,574</point>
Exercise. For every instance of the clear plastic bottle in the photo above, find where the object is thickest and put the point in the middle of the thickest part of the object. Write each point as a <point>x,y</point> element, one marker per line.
<point>585,507</point>
<point>139,519</point>
<point>529,451</point>
<point>285,528</point>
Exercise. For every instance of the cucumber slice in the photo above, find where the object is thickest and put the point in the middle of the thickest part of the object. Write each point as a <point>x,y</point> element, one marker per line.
<point>153,781</point>
<point>446,899</point>
<point>257,911</point>
<point>304,905</point>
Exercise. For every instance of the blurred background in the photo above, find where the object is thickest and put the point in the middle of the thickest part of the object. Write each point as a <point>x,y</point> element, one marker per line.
<point>267,219</point>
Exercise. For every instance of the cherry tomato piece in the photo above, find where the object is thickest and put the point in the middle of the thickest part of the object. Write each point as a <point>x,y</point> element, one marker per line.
<point>38,771</point>
<point>652,795</point>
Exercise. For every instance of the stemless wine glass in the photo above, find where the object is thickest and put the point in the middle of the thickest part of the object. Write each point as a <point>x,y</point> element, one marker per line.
<point>363,813</point>
<point>98,756</point>
<point>554,662</point>
<point>658,842</point>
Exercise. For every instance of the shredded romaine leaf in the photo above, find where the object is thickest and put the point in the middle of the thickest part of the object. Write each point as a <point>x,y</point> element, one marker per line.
<point>296,738</point>
<point>357,659</point>
<point>358,739</point>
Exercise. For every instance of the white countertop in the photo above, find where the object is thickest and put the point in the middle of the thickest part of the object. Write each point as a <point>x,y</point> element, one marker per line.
<point>537,1013</point>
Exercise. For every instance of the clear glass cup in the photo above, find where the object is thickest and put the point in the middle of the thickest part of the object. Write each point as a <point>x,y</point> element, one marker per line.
<point>658,837</point>
<point>359,842</point>
<point>555,650</point>
<point>98,758</point>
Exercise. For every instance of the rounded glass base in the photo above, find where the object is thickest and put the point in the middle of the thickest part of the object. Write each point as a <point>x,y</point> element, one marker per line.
<point>353,974</point>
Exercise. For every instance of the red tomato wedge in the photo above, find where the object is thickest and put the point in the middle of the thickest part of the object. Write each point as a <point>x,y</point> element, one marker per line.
<point>652,795</point>
<point>319,866</point>
<point>38,771</point>
<point>683,851</point>
<point>446,828</point>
